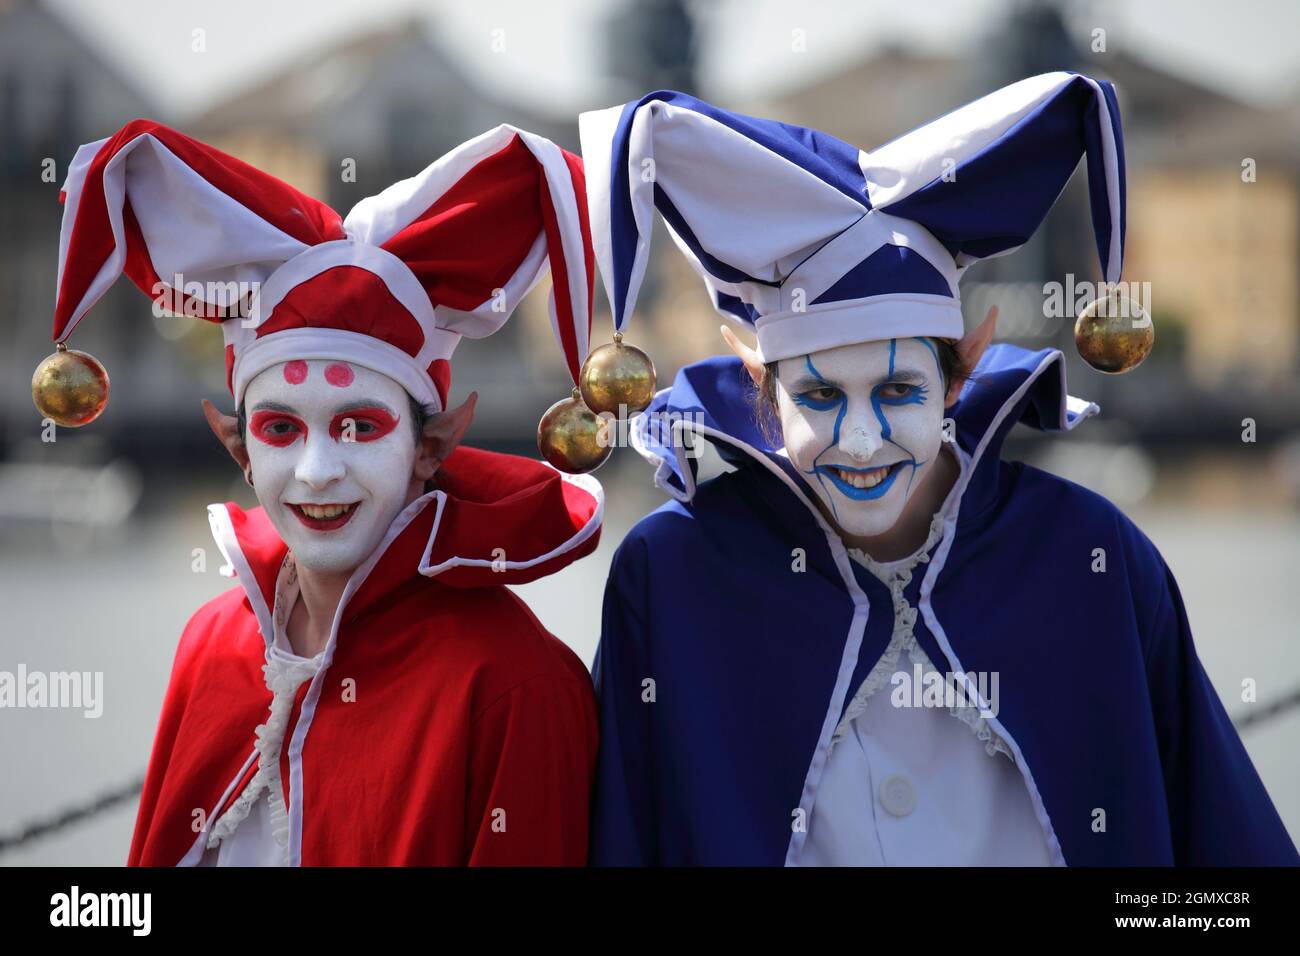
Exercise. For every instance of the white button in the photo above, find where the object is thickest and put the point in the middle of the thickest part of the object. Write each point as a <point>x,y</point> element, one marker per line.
<point>897,795</point>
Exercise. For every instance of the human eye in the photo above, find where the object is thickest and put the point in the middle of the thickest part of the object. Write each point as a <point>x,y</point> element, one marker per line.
<point>276,428</point>
<point>363,425</point>
<point>821,397</point>
<point>901,393</point>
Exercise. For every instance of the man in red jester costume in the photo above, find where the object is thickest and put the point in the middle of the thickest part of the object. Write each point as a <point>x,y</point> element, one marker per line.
<point>371,693</point>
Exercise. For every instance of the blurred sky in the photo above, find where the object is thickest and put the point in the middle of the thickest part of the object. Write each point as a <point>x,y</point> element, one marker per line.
<point>552,53</point>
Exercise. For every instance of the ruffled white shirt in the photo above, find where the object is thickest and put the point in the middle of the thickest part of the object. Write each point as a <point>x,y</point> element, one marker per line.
<point>918,786</point>
<point>254,831</point>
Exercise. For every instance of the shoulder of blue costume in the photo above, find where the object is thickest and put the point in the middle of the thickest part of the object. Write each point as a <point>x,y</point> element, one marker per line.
<point>1046,502</point>
<point>677,526</point>
<point>715,400</point>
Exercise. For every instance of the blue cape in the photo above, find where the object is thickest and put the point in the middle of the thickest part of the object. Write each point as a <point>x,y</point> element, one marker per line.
<point>723,668</point>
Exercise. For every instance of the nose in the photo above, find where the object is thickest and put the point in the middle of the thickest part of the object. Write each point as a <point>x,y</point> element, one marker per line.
<point>860,432</point>
<point>321,464</point>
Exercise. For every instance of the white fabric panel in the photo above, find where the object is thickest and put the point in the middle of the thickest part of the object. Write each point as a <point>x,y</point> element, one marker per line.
<point>72,186</point>
<point>189,226</point>
<point>913,786</point>
<point>596,132</point>
<point>752,209</point>
<point>832,324</point>
<point>1110,160</point>
<point>356,347</point>
<point>565,200</point>
<point>763,232</point>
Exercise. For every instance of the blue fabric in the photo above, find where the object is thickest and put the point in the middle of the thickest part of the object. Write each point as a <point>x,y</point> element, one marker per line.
<point>1101,686</point>
<point>995,200</point>
<point>889,269</point>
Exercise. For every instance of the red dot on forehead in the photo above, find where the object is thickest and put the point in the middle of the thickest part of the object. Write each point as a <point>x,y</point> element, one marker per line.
<point>339,374</point>
<point>295,373</point>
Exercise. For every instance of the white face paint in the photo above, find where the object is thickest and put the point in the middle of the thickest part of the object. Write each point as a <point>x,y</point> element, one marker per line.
<point>332,454</point>
<point>864,424</point>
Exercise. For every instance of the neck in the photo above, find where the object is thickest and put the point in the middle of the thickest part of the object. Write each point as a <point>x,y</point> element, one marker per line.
<point>312,618</point>
<point>909,533</point>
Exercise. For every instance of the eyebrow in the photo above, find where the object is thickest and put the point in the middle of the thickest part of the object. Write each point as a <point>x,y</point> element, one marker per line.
<point>905,376</point>
<point>349,407</point>
<point>366,403</point>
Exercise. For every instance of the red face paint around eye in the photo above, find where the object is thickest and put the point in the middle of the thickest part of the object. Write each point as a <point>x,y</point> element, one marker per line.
<point>370,424</point>
<point>277,428</point>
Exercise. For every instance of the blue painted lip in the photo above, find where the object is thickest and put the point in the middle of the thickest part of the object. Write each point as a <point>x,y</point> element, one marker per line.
<point>861,494</point>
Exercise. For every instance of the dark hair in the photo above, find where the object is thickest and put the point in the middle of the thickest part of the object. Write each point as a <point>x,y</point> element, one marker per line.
<point>418,418</point>
<point>765,403</point>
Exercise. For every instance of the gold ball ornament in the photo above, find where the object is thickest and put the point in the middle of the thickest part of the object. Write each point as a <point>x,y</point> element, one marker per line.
<point>1113,334</point>
<point>70,387</point>
<point>572,437</point>
<point>617,378</point>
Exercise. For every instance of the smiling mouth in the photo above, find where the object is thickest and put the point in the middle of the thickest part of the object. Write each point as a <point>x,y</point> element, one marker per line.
<point>863,478</point>
<point>324,517</point>
<point>862,483</point>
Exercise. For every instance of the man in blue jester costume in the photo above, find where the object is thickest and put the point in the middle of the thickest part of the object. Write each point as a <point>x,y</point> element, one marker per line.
<point>873,640</point>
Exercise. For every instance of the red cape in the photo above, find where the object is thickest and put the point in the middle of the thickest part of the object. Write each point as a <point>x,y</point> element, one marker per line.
<point>472,735</point>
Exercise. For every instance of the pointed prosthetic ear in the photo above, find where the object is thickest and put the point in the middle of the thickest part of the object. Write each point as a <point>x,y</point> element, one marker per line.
<point>753,364</point>
<point>970,349</point>
<point>226,428</point>
<point>442,433</point>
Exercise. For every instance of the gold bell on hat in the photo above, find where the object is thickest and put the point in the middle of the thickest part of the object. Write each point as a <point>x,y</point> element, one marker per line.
<point>618,379</point>
<point>1113,333</point>
<point>572,437</point>
<point>70,387</point>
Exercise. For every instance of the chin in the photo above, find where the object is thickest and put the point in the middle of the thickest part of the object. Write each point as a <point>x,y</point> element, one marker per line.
<point>328,560</point>
<point>868,526</point>
<point>858,519</point>
<point>331,552</point>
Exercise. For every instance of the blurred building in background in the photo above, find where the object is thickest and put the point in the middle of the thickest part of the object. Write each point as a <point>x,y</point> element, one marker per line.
<point>345,121</point>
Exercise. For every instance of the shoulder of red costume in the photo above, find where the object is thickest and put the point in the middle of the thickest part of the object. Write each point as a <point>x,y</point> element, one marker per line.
<point>224,623</point>
<point>493,639</point>
<point>509,520</point>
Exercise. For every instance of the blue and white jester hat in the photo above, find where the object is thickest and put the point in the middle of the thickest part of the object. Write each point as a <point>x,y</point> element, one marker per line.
<point>814,243</point>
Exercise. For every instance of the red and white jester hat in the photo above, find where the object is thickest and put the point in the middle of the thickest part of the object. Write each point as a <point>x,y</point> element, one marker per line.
<point>392,286</point>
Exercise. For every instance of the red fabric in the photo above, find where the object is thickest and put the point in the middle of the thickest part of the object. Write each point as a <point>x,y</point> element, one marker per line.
<point>230,368</point>
<point>305,219</point>
<point>440,373</point>
<point>348,298</point>
<point>473,734</point>
<point>473,238</point>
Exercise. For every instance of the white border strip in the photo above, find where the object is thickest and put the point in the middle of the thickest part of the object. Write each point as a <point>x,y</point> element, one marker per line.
<point>587,483</point>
